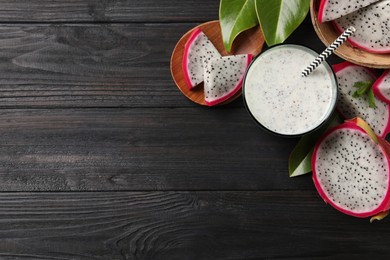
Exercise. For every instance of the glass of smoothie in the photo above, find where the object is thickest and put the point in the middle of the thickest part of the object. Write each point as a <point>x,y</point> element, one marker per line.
<point>283,101</point>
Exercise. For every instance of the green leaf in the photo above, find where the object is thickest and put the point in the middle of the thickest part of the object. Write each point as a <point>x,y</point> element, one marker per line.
<point>362,84</point>
<point>304,163</point>
<point>235,17</point>
<point>371,99</point>
<point>365,87</point>
<point>279,18</point>
<point>300,158</point>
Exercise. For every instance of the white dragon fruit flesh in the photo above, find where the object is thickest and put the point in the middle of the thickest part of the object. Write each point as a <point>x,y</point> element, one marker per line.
<point>351,170</point>
<point>372,25</point>
<point>332,9</point>
<point>197,51</point>
<point>347,75</point>
<point>381,87</point>
<point>223,77</point>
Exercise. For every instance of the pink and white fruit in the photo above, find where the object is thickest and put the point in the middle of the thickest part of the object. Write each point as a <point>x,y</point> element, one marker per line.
<point>223,77</point>
<point>347,75</point>
<point>351,171</point>
<point>372,27</point>
<point>332,9</point>
<point>381,87</point>
<point>197,51</point>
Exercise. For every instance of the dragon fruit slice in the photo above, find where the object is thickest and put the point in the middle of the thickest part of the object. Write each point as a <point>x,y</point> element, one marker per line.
<point>381,87</point>
<point>223,77</point>
<point>347,75</point>
<point>372,27</point>
<point>197,51</point>
<point>351,170</point>
<point>333,9</point>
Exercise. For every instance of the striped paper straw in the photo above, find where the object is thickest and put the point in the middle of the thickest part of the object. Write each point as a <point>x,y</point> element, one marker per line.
<point>328,51</point>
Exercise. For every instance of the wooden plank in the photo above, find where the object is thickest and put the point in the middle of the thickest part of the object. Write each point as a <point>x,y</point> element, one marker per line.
<point>183,225</point>
<point>95,65</point>
<point>141,149</point>
<point>108,11</point>
<point>89,65</point>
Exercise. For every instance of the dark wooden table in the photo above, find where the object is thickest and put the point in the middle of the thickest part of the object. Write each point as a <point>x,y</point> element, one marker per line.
<point>101,157</point>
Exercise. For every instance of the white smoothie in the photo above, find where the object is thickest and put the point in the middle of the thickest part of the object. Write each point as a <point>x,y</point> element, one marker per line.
<point>283,101</point>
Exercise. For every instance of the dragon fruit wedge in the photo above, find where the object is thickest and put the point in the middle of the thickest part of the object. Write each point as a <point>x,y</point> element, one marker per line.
<point>197,51</point>
<point>223,77</point>
<point>381,87</point>
<point>372,25</point>
<point>351,170</point>
<point>349,107</point>
<point>333,9</point>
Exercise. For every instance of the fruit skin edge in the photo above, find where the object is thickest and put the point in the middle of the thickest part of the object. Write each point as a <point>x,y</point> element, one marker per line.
<point>384,206</point>
<point>357,45</point>
<point>377,83</point>
<point>340,66</point>
<point>321,11</point>
<point>193,35</point>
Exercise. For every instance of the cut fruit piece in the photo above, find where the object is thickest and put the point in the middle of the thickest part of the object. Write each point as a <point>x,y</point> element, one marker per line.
<point>197,51</point>
<point>347,75</point>
<point>372,27</point>
<point>223,77</point>
<point>381,87</point>
<point>332,9</point>
<point>351,170</point>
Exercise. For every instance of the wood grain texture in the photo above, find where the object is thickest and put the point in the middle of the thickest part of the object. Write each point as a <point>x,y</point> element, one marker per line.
<point>87,103</point>
<point>183,225</point>
<point>95,65</point>
<point>108,10</point>
<point>141,149</point>
<point>122,65</point>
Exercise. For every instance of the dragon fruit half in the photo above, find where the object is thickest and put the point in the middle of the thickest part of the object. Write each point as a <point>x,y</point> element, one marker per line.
<point>333,9</point>
<point>351,170</point>
<point>223,77</point>
<point>347,75</point>
<point>381,87</point>
<point>197,51</point>
<point>372,25</point>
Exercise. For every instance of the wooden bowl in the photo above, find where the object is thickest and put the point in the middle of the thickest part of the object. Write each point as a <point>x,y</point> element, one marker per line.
<point>327,33</point>
<point>250,41</point>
